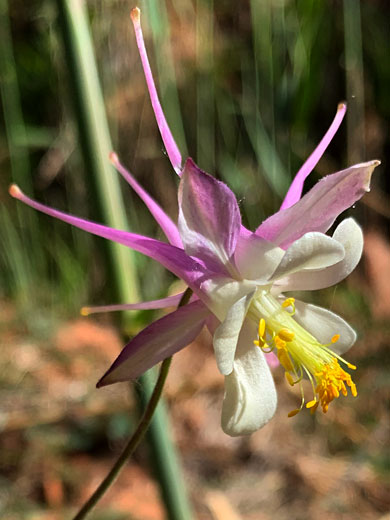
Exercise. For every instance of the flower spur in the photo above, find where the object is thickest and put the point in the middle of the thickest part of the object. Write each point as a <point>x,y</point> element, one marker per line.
<point>239,279</point>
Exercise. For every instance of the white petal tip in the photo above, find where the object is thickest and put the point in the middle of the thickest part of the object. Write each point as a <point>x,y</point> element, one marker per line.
<point>371,167</point>
<point>369,164</point>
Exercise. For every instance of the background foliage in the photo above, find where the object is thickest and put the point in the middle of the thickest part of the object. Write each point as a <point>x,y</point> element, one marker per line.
<point>248,90</point>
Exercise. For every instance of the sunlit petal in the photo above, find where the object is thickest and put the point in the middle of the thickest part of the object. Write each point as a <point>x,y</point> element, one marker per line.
<point>295,191</point>
<point>162,303</point>
<point>256,258</point>
<point>165,222</point>
<point>250,396</point>
<point>349,234</point>
<point>209,218</point>
<point>156,342</point>
<point>172,258</point>
<point>324,325</point>
<point>226,336</point>
<point>312,251</point>
<point>166,134</point>
<point>318,209</point>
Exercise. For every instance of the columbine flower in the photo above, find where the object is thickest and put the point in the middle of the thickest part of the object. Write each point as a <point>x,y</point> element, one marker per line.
<point>239,279</point>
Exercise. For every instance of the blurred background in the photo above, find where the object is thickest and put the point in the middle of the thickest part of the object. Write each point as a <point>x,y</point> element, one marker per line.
<point>248,89</point>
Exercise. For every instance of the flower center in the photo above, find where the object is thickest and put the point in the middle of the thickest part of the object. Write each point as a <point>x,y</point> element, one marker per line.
<point>300,353</point>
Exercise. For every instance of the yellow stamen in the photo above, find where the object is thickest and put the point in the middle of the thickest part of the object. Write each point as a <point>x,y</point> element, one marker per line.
<point>331,381</point>
<point>297,410</point>
<point>289,302</point>
<point>286,335</point>
<point>289,378</point>
<point>279,343</point>
<point>285,360</point>
<point>300,353</point>
<point>262,328</point>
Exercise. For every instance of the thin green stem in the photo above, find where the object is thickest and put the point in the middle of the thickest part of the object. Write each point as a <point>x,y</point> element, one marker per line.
<point>137,436</point>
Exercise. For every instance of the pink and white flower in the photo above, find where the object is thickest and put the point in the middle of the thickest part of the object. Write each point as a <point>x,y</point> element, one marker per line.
<point>239,279</point>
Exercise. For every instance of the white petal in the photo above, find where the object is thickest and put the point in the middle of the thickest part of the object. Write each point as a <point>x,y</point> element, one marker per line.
<point>250,395</point>
<point>312,251</point>
<point>222,292</point>
<point>323,325</point>
<point>256,258</point>
<point>349,234</point>
<point>227,333</point>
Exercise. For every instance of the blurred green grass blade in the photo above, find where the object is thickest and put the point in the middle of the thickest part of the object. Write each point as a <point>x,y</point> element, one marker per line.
<point>165,463</point>
<point>205,88</point>
<point>354,81</point>
<point>259,109</point>
<point>266,154</point>
<point>309,23</point>
<point>19,158</point>
<point>13,118</point>
<point>95,138</point>
<point>155,12</point>
<point>267,157</point>
<point>261,18</point>
<point>96,145</point>
<point>38,137</point>
<point>72,289</point>
<point>17,266</point>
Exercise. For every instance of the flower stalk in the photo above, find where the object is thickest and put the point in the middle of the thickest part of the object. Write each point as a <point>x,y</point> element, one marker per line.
<point>132,444</point>
<point>137,436</point>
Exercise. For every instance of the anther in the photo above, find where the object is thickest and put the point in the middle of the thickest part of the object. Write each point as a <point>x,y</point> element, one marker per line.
<point>286,335</point>
<point>289,378</point>
<point>285,361</point>
<point>279,342</point>
<point>262,328</point>
<point>288,302</point>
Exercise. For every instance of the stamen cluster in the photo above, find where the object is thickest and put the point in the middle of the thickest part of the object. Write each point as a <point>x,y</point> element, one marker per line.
<point>300,353</point>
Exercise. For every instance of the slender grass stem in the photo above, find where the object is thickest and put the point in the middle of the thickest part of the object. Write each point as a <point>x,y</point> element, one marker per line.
<point>137,436</point>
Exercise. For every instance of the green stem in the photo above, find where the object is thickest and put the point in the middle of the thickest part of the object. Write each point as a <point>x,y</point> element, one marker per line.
<point>137,436</point>
<point>354,78</point>
<point>131,445</point>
